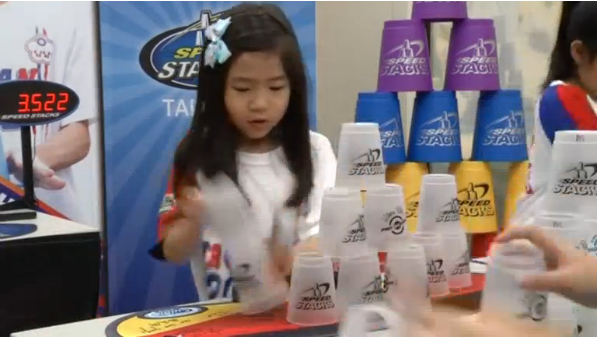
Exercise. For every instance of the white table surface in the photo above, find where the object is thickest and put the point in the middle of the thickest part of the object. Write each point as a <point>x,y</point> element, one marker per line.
<point>49,225</point>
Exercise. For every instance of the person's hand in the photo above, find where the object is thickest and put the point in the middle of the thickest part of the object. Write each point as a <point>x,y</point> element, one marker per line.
<point>457,323</point>
<point>43,176</point>
<point>190,202</point>
<point>570,272</point>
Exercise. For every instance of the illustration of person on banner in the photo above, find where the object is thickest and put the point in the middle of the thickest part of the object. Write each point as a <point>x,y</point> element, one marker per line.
<point>51,42</point>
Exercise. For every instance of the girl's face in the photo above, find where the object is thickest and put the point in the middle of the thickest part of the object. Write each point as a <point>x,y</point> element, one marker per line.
<point>587,67</point>
<point>257,93</point>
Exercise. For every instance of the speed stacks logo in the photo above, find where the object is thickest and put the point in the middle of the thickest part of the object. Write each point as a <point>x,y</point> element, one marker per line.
<point>174,57</point>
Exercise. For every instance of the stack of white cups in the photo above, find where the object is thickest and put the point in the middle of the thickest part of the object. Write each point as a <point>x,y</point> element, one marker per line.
<point>439,214</point>
<point>570,198</point>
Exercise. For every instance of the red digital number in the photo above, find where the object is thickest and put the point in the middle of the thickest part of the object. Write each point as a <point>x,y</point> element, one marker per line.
<point>50,100</point>
<point>24,103</point>
<point>62,102</point>
<point>36,102</point>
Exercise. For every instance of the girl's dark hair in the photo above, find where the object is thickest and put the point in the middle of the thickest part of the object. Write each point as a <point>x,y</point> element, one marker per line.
<point>212,141</point>
<point>578,21</point>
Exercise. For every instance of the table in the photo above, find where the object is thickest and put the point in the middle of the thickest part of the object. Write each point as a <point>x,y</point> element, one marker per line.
<point>49,273</point>
<point>223,311</point>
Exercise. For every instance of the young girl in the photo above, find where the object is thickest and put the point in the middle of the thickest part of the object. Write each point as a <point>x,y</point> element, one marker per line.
<point>250,124</point>
<point>569,91</point>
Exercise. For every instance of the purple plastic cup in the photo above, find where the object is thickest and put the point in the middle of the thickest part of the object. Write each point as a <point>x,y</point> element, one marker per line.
<point>404,57</point>
<point>472,57</point>
<point>437,11</point>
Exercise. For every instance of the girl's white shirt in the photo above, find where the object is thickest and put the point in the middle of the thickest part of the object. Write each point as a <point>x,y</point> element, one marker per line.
<point>267,182</point>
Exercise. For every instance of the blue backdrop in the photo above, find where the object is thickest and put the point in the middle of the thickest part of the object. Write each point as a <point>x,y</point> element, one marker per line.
<point>148,72</point>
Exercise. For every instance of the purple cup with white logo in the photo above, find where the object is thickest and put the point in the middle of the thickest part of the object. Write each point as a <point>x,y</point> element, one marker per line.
<point>404,57</point>
<point>437,11</point>
<point>472,57</point>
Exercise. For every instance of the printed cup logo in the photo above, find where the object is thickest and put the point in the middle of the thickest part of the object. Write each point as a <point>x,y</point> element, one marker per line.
<point>506,131</point>
<point>356,231</point>
<point>473,202</point>
<point>367,164</point>
<point>557,224</point>
<point>535,305</point>
<point>580,180</point>
<point>316,298</point>
<point>405,60</point>
<point>40,48</point>
<point>440,131</point>
<point>479,58</point>
<point>390,134</point>
<point>589,247</point>
<point>373,292</point>
<point>395,220</point>
<point>450,212</point>
<point>462,266</point>
<point>435,273</point>
<point>580,138</point>
<point>412,206</point>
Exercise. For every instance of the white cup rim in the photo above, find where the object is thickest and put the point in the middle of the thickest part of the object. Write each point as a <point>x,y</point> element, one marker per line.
<point>311,259</point>
<point>388,189</point>
<point>438,179</point>
<point>427,238</point>
<point>408,251</point>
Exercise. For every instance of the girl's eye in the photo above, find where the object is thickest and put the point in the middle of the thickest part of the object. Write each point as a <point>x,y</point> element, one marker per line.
<point>241,89</point>
<point>278,88</point>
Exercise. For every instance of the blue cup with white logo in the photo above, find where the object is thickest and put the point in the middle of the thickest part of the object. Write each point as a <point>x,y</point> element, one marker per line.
<point>500,134</point>
<point>383,108</point>
<point>435,129</point>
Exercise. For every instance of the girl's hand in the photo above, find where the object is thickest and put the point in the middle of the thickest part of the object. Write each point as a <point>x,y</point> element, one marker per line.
<point>571,272</point>
<point>191,204</point>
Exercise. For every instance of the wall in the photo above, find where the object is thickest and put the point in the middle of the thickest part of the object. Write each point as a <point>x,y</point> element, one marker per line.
<point>348,41</point>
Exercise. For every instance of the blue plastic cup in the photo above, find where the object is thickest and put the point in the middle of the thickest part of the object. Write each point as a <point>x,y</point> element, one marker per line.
<point>383,108</point>
<point>435,129</point>
<point>500,134</point>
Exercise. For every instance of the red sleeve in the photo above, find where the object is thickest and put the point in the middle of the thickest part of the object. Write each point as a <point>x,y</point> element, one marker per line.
<point>168,210</point>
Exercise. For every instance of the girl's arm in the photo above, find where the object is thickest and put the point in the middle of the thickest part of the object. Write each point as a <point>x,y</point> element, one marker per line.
<point>565,107</point>
<point>178,236</point>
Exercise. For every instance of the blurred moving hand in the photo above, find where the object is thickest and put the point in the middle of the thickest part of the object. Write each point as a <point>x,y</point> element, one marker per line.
<point>570,272</point>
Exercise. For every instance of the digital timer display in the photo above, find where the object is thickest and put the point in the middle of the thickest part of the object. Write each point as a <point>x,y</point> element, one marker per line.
<point>35,102</point>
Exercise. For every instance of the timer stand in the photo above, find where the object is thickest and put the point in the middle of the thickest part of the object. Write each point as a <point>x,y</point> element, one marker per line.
<point>25,207</point>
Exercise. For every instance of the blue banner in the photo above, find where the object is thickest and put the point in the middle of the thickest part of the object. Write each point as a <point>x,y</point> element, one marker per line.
<point>148,93</point>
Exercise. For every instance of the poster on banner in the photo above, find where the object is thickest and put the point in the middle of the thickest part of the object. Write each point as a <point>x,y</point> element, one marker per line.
<point>150,62</point>
<point>53,42</point>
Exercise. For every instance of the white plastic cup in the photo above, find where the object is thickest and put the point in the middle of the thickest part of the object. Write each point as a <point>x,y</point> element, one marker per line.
<point>458,260</point>
<point>406,275</point>
<point>360,158</point>
<point>359,281</point>
<point>342,227</point>
<point>439,208</point>
<point>572,183</point>
<point>562,315</point>
<point>385,217</point>
<point>312,298</point>
<point>507,265</point>
<point>566,227</point>
<point>437,263</point>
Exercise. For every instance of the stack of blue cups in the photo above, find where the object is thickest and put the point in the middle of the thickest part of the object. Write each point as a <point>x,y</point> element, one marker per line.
<point>500,134</point>
<point>435,128</point>
<point>383,108</point>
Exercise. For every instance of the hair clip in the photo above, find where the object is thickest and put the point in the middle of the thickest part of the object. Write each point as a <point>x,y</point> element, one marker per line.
<point>217,51</point>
